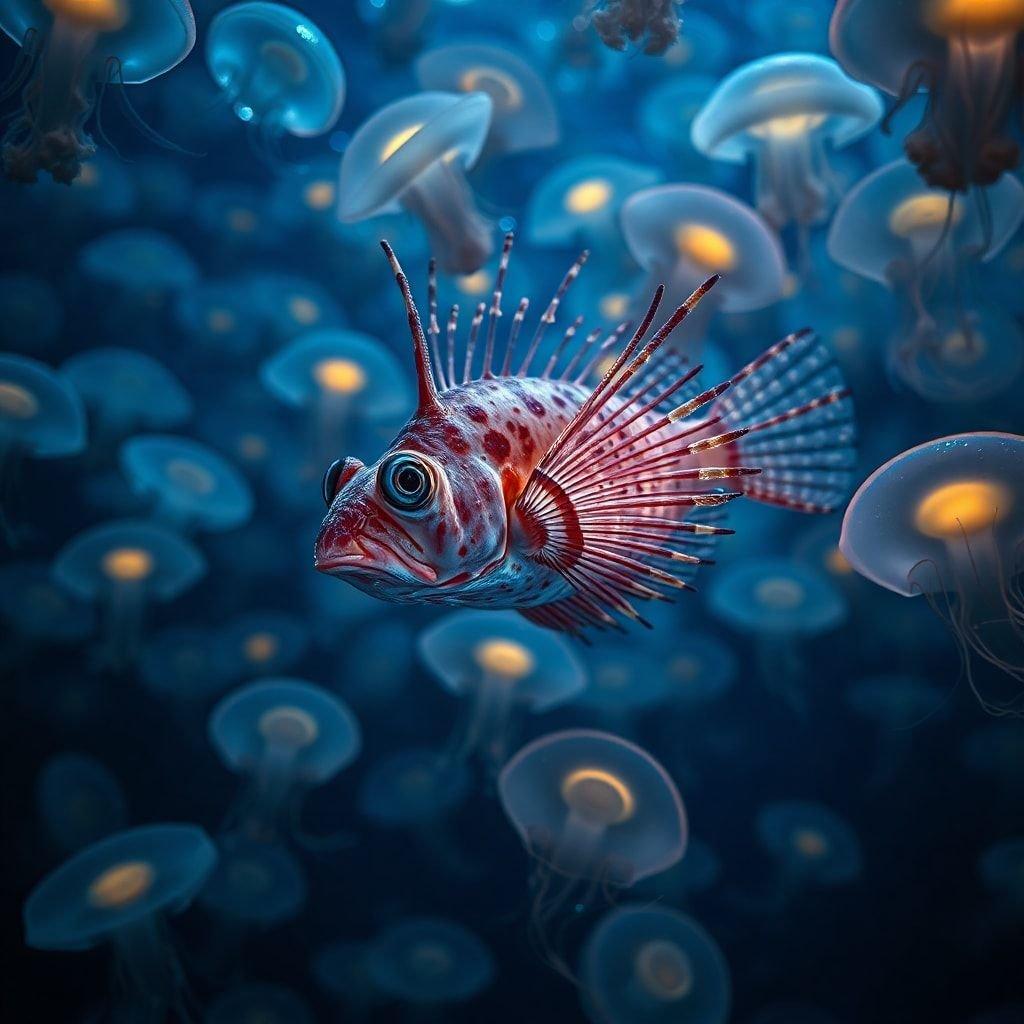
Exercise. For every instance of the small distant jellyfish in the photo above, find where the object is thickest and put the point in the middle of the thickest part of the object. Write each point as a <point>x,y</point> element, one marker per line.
<point>234,221</point>
<point>277,70</point>
<point>342,970</point>
<point>966,56</point>
<point>72,50</point>
<point>119,891</point>
<point>413,154</point>
<point>264,642</point>
<point>666,118</point>
<point>379,661</point>
<point>31,313</point>
<point>258,1004</point>
<point>79,801</point>
<point>39,613</point>
<point>290,305</point>
<point>499,662</point>
<point>653,24</point>
<point>183,664</point>
<point>622,683</point>
<point>698,669</point>
<point>218,319</point>
<point>946,519</point>
<point>645,965</point>
<point>1002,870</point>
<point>793,24</point>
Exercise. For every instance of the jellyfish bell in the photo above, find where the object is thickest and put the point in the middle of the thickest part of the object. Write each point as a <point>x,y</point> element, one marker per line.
<point>183,664</point>
<point>264,642</point>
<point>1001,867</point>
<point>811,844</point>
<point>79,800</point>
<point>31,313</point>
<point>666,118</point>
<point>38,611</point>
<point>698,669</point>
<point>413,787</point>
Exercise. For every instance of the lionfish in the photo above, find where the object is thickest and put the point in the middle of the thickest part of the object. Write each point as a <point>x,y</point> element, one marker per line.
<point>527,488</point>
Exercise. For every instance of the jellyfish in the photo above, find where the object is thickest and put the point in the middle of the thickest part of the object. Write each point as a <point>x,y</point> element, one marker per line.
<point>622,683</point>
<point>944,519</point>
<point>666,117</point>
<point>699,871</point>
<point>70,52</point>
<point>378,663</point>
<point>291,305</point>
<point>791,24</point>
<point>79,801</point>
<point>595,813</point>
<point>342,970</point>
<point>276,69</point>
<point>259,1004</point>
<point>218,319</point>
<point>119,891</point>
<point>184,664</point>
<point>41,614</point>
<point>653,24</point>
<point>785,113</point>
<point>499,662</point>
<point>643,965</point>
<point>413,154</point>
<point>122,566</point>
<point>283,735</point>
<point>235,222</point>
<point>264,642</point>
<point>965,55</point>
<point>31,313</point>
<point>306,197</point>
<point>190,485</point>
<point>1002,870</point>
<point>524,116</point>
<point>698,669</point>
<point>430,961</point>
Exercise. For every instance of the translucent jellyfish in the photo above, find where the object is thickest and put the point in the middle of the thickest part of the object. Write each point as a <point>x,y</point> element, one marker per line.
<point>264,642</point>
<point>184,664</point>
<point>945,519</point>
<point>430,960</point>
<point>342,970</point>
<point>190,485</point>
<point>122,566</point>
<point>524,116</point>
<point>276,69</point>
<point>219,319</point>
<point>642,965</point>
<point>119,891</point>
<point>622,682</point>
<point>259,1004</point>
<point>791,24</point>
<point>785,113</point>
<point>291,305</point>
<point>666,117</point>
<point>70,52</point>
<point>79,801</point>
<point>965,54</point>
<point>500,663</point>
<point>306,197</point>
<point>413,154</point>
<point>31,313</point>
<point>698,669</point>
<point>654,24</point>
<point>284,735</point>
<point>39,613</point>
<point>1002,870</point>
<point>235,222</point>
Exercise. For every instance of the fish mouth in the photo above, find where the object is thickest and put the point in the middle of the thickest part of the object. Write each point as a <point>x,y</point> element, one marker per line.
<point>368,556</point>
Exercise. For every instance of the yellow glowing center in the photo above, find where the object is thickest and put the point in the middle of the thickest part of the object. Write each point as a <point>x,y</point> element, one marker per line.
<point>285,61</point>
<point>925,212</point>
<point>288,726</point>
<point>779,594</point>
<point>706,246</point>
<point>967,506</point>
<point>810,842</point>
<point>975,17</point>
<point>597,796</point>
<point>319,195</point>
<point>17,403</point>
<point>963,348</point>
<point>252,447</point>
<point>397,141</point>
<point>220,321</point>
<point>473,284</point>
<point>98,15</point>
<point>614,306</point>
<point>502,88</point>
<point>260,646</point>
<point>793,126</point>
<point>504,658</point>
<point>191,477</point>
<point>588,196</point>
<point>303,310</point>
<point>121,885</point>
<point>837,562</point>
<point>242,220</point>
<point>342,376</point>
<point>127,565</point>
<point>664,970</point>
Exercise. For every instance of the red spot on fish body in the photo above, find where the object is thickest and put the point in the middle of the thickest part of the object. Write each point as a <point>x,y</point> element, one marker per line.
<point>534,406</point>
<point>476,414</point>
<point>454,439</point>
<point>496,445</point>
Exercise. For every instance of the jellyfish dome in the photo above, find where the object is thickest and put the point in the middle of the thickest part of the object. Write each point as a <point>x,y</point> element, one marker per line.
<point>666,119</point>
<point>524,116</point>
<point>622,681</point>
<point>259,1004</point>
<point>79,800</point>
<point>895,701</point>
<point>785,112</point>
<point>810,842</point>
<point>183,663</point>
<point>31,313</point>
<point>35,606</point>
<point>70,51</point>
<point>41,415</point>
<point>642,965</point>
<point>591,805</point>
<point>1002,869</point>
<point>413,787</point>
<point>138,261</point>
<point>796,24</point>
<point>430,961</point>
<point>276,68</point>
<point>264,642</point>
<point>413,154</point>
<point>290,305</point>
<point>698,669</point>
<point>217,317</point>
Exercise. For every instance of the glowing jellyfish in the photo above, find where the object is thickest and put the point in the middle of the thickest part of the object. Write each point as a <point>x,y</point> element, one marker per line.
<point>119,891</point>
<point>191,486</point>
<point>79,801</point>
<point>218,318</point>
<point>965,55</point>
<point>785,113</point>
<point>499,662</point>
<point>645,965</point>
<point>666,117</point>
<point>259,1004</point>
<point>342,970</point>
<point>622,682</point>
<point>430,961</point>
<point>307,197</point>
<point>654,24</point>
<point>290,305</point>
<point>70,51</point>
<point>413,154</point>
<point>31,313</point>
<point>39,611</point>
<point>137,266</point>
<point>791,24</point>
<point>264,642</point>
<point>276,68</point>
<point>182,663</point>
<point>524,116</point>
<point>945,519</point>
<point>1002,870</point>
<point>284,735</point>
<point>698,669</point>
<point>234,221</point>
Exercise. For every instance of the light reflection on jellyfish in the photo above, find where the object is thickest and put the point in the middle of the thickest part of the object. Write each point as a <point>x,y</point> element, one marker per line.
<point>306,197</point>
<point>413,154</point>
<point>79,801</point>
<point>595,813</point>
<point>182,664</point>
<point>119,891</point>
<point>258,1003</point>
<point>644,965</point>
<point>263,642</point>
<point>945,519</point>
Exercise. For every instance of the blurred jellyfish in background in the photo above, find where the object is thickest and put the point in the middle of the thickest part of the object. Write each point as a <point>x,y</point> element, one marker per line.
<point>644,965</point>
<point>621,684</point>
<point>698,669</point>
<point>791,24</point>
<point>499,662</point>
<point>342,970</point>
<point>290,305</point>
<point>218,320</point>
<point>234,221</point>
<point>595,813</point>
<point>79,801</point>
<point>119,891</point>
<point>966,56</point>
<point>264,642</point>
<point>379,661</point>
<point>1002,871</point>
<point>430,961</point>
<point>164,190</point>
<point>284,735</point>
<point>666,118</point>
<point>277,70</point>
<point>945,519</point>
<point>413,154</point>
<point>259,1004</point>
<point>121,567</point>
<point>71,51</point>
<point>31,313</point>
<point>183,664</point>
<point>651,24</point>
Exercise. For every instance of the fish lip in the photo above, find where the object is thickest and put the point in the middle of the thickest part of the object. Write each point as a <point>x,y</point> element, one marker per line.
<point>420,570</point>
<point>362,561</point>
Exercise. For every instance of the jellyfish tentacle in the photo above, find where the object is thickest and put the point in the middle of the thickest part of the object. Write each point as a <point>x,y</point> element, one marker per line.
<point>23,67</point>
<point>116,77</point>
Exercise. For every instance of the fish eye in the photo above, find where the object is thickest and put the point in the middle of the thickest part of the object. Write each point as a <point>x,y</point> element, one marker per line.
<point>338,474</point>
<point>406,481</point>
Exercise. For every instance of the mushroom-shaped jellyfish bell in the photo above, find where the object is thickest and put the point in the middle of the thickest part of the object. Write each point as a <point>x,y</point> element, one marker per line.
<point>785,113</point>
<point>414,153</point>
<point>183,664</point>
<point>119,891</point>
<point>965,54</point>
<point>264,642</point>
<point>31,313</point>
<point>71,50</point>
<point>40,615</point>
<point>79,801</point>
<point>499,663</point>
<point>795,24</point>
<point>644,965</point>
<point>277,69</point>
<point>259,1004</point>
<point>946,519</point>
<point>594,812</point>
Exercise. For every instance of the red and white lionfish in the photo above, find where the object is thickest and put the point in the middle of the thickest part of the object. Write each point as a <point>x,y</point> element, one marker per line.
<point>566,502</point>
